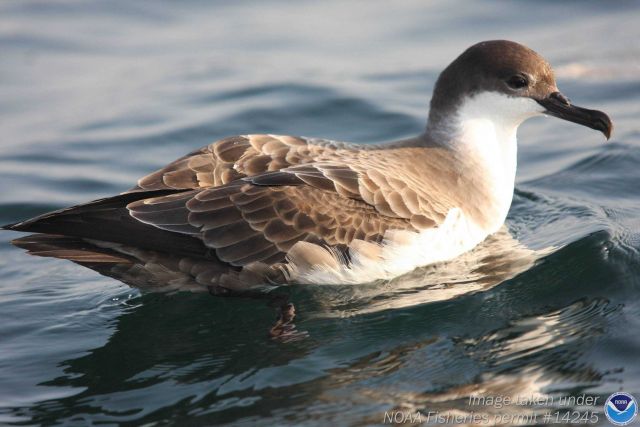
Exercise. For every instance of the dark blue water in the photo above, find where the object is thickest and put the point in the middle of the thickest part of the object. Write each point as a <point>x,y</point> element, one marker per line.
<point>95,95</point>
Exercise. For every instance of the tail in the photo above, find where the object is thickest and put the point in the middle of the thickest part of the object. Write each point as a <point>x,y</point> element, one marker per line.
<point>70,248</point>
<point>148,270</point>
<point>108,220</point>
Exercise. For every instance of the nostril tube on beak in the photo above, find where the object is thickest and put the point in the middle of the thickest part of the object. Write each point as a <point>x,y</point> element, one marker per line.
<point>560,97</point>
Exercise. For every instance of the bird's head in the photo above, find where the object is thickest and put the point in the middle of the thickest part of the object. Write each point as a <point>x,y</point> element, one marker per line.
<point>505,81</point>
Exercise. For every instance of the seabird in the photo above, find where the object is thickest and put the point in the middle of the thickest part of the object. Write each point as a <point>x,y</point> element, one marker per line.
<point>256,210</point>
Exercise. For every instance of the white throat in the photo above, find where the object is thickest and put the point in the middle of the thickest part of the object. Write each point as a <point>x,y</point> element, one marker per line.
<point>483,132</point>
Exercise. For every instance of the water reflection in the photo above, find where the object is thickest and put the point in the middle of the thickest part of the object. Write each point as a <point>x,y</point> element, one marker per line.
<point>456,371</point>
<point>159,360</point>
<point>190,355</point>
<point>166,350</point>
<point>500,257</point>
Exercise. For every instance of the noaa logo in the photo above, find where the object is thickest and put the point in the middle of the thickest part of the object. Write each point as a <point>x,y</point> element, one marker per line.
<point>621,408</point>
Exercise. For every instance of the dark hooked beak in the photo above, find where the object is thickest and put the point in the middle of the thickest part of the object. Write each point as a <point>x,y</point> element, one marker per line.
<point>557,105</point>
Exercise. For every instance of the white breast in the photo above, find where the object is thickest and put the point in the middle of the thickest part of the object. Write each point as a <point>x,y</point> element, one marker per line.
<point>400,252</point>
<point>484,131</point>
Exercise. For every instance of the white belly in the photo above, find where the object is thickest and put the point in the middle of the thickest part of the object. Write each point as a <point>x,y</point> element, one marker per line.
<point>400,253</point>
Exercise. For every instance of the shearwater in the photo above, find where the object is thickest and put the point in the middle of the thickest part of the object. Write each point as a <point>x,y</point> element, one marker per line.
<point>252,210</point>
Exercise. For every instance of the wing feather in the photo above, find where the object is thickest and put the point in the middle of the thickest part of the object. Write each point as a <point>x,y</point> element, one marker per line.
<point>246,223</point>
<point>365,173</point>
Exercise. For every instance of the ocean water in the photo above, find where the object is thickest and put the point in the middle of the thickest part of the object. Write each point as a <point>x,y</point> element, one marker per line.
<point>94,95</point>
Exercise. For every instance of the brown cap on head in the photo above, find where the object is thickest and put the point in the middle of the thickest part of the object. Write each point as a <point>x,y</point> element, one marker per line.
<point>514,70</point>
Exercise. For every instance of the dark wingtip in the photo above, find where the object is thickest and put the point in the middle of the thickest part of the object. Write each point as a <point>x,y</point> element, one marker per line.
<point>18,226</point>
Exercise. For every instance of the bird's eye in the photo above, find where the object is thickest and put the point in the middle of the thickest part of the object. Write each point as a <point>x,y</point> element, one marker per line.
<point>517,82</point>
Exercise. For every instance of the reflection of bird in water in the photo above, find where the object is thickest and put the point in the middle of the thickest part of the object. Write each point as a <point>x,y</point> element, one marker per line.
<point>506,375</point>
<point>263,209</point>
<point>500,257</point>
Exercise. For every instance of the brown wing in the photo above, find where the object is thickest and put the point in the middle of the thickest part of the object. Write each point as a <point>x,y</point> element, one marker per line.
<point>246,223</point>
<point>229,159</point>
<point>233,236</point>
<point>376,175</point>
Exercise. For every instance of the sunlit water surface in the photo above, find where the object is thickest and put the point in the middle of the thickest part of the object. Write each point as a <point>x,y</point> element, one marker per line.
<point>95,95</point>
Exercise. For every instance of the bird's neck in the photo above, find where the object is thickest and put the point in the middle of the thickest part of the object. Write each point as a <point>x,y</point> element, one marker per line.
<point>483,138</point>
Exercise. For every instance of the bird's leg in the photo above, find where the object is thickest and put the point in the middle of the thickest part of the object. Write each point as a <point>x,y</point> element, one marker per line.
<point>286,313</point>
<point>283,329</point>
